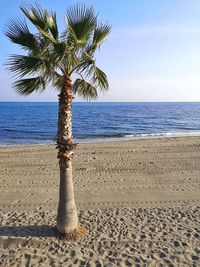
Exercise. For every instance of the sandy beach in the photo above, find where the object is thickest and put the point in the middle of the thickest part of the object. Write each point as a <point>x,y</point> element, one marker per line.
<point>139,201</point>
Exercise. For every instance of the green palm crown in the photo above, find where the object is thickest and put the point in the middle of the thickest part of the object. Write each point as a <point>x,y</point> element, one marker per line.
<point>50,57</point>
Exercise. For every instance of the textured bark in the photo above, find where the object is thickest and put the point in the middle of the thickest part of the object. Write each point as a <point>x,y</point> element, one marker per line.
<point>67,220</point>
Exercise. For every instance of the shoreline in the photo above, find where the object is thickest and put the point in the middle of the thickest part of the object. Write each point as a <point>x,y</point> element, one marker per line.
<point>113,139</point>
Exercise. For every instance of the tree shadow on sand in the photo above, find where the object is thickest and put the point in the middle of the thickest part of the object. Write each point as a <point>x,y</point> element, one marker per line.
<point>28,231</point>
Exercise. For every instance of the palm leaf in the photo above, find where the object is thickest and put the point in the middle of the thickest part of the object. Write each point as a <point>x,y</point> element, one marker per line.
<point>29,85</point>
<point>44,22</point>
<point>97,76</point>
<point>52,25</point>
<point>17,31</point>
<point>84,89</point>
<point>100,79</point>
<point>81,22</point>
<point>101,32</point>
<point>36,15</point>
<point>24,65</point>
<point>58,51</point>
<point>84,63</point>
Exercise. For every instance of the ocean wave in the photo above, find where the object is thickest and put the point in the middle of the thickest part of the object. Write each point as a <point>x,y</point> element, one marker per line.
<point>135,136</point>
<point>163,134</point>
<point>100,138</point>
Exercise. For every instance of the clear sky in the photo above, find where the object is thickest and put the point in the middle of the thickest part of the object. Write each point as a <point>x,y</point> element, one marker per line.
<point>153,53</point>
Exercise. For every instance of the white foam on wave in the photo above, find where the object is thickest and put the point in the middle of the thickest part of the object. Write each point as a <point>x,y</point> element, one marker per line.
<point>129,137</point>
<point>161,135</point>
<point>125,137</point>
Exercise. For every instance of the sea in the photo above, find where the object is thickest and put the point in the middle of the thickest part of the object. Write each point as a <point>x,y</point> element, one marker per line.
<point>36,122</point>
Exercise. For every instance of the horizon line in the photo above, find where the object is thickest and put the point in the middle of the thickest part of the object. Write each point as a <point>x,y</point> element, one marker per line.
<point>182,101</point>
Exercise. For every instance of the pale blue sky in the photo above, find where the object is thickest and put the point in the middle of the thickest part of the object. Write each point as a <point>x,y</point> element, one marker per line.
<point>153,53</point>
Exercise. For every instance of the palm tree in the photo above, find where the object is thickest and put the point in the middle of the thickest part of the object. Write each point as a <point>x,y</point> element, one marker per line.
<point>56,59</point>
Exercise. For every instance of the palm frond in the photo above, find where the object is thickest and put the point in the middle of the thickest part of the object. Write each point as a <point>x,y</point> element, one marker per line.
<point>97,76</point>
<point>100,79</point>
<point>84,89</point>
<point>24,65</point>
<point>72,62</point>
<point>17,31</point>
<point>81,22</point>
<point>27,86</point>
<point>42,20</point>
<point>101,32</point>
<point>36,15</point>
<point>71,41</point>
<point>52,24</point>
<point>58,51</point>
<point>84,63</point>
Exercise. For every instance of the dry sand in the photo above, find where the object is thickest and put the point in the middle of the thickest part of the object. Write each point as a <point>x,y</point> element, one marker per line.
<point>139,201</point>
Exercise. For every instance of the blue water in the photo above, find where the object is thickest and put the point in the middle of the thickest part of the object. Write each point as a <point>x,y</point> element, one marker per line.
<point>36,123</point>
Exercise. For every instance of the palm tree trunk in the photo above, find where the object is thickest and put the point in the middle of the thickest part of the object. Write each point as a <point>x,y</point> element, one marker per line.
<point>67,220</point>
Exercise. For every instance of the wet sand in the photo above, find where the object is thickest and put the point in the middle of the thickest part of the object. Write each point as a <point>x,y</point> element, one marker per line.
<point>139,201</point>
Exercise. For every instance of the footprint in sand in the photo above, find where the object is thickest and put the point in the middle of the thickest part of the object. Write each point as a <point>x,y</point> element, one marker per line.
<point>48,200</point>
<point>16,201</point>
<point>30,195</point>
